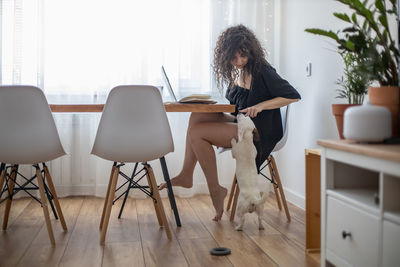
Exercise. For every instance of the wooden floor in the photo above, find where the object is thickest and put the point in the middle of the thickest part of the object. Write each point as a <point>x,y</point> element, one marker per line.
<point>137,240</point>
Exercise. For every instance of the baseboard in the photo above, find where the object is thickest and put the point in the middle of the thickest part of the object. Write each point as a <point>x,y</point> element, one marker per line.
<point>294,198</point>
<point>100,191</point>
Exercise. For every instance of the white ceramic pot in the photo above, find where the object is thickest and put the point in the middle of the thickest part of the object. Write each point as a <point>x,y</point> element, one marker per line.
<point>367,123</point>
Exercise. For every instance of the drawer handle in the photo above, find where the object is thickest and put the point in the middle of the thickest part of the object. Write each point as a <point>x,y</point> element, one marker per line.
<point>346,234</point>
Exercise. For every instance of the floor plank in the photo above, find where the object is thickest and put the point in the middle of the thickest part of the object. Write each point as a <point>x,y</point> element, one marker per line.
<point>125,229</point>
<point>293,230</point>
<point>244,251</point>
<point>194,238</point>
<point>18,237</point>
<point>197,253</point>
<point>283,251</point>
<point>157,249</point>
<point>83,248</point>
<point>123,254</point>
<point>18,205</point>
<point>295,211</point>
<point>193,227</point>
<point>40,252</point>
<point>137,239</point>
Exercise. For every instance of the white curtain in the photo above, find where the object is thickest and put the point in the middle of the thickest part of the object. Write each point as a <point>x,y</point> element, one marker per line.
<point>77,50</point>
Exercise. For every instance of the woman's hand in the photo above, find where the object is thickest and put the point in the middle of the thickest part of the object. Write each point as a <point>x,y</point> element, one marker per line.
<point>252,111</point>
<point>273,103</point>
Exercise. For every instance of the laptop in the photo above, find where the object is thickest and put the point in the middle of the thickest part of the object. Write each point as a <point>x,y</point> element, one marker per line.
<point>193,98</point>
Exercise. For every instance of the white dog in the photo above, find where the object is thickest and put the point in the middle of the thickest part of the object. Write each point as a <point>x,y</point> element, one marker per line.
<point>245,153</point>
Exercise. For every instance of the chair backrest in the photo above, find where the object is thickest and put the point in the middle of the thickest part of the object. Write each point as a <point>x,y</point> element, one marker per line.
<point>285,127</point>
<point>28,134</point>
<point>134,126</point>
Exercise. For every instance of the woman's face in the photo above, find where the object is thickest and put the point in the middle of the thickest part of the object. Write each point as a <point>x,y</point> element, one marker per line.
<point>239,61</point>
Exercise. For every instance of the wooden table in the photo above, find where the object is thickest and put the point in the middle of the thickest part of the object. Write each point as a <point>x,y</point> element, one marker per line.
<point>169,107</point>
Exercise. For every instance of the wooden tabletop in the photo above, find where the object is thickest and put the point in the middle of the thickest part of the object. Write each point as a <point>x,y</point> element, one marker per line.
<point>313,151</point>
<point>169,107</point>
<point>383,151</point>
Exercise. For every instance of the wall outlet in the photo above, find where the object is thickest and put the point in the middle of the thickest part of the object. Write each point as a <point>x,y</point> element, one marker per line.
<point>308,69</point>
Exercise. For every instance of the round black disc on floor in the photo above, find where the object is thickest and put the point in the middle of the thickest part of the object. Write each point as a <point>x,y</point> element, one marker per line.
<point>220,251</point>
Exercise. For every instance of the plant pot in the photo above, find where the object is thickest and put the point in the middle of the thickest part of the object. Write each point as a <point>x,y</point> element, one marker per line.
<point>387,96</point>
<point>338,111</point>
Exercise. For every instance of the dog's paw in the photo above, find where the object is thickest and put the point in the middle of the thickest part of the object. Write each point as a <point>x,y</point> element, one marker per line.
<point>239,228</point>
<point>233,142</point>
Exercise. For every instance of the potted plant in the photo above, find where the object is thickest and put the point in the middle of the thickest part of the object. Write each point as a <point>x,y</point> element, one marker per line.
<point>368,39</point>
<point>353,87</point>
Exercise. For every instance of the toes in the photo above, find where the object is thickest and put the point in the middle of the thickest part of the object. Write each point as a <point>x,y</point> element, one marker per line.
<point>217,218</point>
<point>162,186</point>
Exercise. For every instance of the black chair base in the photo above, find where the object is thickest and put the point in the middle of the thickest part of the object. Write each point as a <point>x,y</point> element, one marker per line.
<point>27,186</point>
<point>135,185</point>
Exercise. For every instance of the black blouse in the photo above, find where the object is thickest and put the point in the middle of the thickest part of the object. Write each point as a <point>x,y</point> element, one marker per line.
<point>266,85</point>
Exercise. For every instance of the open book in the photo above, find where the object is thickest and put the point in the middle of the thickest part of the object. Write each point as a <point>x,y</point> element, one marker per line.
<point>197,98</point>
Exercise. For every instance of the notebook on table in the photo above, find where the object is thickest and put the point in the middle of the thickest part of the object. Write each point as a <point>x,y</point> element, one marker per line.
<point>193,98</point>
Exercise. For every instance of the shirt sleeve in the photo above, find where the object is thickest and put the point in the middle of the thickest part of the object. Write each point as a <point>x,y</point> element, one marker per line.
<point>277,86</point>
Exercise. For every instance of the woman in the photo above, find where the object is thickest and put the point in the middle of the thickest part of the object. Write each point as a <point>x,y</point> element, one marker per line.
<point>256,90</point>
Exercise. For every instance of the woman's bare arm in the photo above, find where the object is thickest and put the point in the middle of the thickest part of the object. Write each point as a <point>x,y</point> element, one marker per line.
<point>273,103</point>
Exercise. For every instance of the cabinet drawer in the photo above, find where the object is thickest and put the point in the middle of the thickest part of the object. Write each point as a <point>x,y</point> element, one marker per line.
<point>352,234</point>
<point>391,244</point>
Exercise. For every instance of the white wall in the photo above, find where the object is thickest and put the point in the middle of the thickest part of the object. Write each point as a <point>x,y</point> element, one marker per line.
<point>311,118</point>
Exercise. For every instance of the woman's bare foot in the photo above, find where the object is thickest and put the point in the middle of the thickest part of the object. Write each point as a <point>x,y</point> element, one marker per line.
<point>218,202</point>
<point>180,180</point>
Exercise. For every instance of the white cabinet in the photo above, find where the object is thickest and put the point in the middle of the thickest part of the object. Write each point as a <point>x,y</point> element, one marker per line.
<point>391,249</point>
<point>360,204</point>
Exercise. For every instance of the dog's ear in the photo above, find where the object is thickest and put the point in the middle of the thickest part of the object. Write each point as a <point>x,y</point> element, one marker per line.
<point>256,136</point>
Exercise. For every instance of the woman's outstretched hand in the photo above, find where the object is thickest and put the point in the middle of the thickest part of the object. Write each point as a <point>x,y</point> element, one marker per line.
<point>251,111</point>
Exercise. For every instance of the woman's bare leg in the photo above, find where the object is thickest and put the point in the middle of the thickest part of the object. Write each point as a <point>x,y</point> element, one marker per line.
<point>203,136</point>
<point>185,177</point>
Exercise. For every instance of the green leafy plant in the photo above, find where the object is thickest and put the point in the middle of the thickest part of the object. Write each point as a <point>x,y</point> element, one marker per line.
<point>354,82</point>
<point>368,39</point>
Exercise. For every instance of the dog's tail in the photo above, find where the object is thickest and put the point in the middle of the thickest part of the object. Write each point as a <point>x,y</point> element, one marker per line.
<point>263,198</point>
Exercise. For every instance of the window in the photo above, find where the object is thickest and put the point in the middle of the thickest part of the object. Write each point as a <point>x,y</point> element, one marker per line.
<point>90,46</point>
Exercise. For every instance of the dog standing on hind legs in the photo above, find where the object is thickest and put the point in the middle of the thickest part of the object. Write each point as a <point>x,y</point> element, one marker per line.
<point>245,153</point>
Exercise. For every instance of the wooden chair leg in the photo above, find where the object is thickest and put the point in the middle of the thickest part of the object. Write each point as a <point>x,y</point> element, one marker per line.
<point>156,195</point>
<point>9,200</point>
<point>231,193</point>
<point>273,184</point>
<point>43,200</point>
<point>282,194</point>
<point>53,192</point>
<point>2,179</point>
<point>234,204</point>
<point>159,219</point>
<point>106,199</point>
<point>109,202</point>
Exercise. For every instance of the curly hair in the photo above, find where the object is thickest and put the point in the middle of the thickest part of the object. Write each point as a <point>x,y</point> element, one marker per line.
<point>237,39</point>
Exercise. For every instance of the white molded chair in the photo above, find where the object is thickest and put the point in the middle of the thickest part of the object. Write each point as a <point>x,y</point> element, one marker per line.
<point>134,128</point>
<point>273,169</point>
<point>28,135</point>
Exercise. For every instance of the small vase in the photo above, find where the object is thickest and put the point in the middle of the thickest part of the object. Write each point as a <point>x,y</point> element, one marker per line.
<point>338,111</point>
<point>387,96</point>
<point>367,123</point>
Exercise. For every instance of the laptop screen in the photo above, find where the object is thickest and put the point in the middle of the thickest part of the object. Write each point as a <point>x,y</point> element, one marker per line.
<point>166,80</point>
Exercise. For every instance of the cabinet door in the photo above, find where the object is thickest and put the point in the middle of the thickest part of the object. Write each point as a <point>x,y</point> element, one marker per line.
<point>352,234</point>
<point>391,244</point>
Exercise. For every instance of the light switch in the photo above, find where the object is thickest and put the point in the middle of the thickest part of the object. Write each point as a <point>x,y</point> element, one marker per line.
<point>308,69</point>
